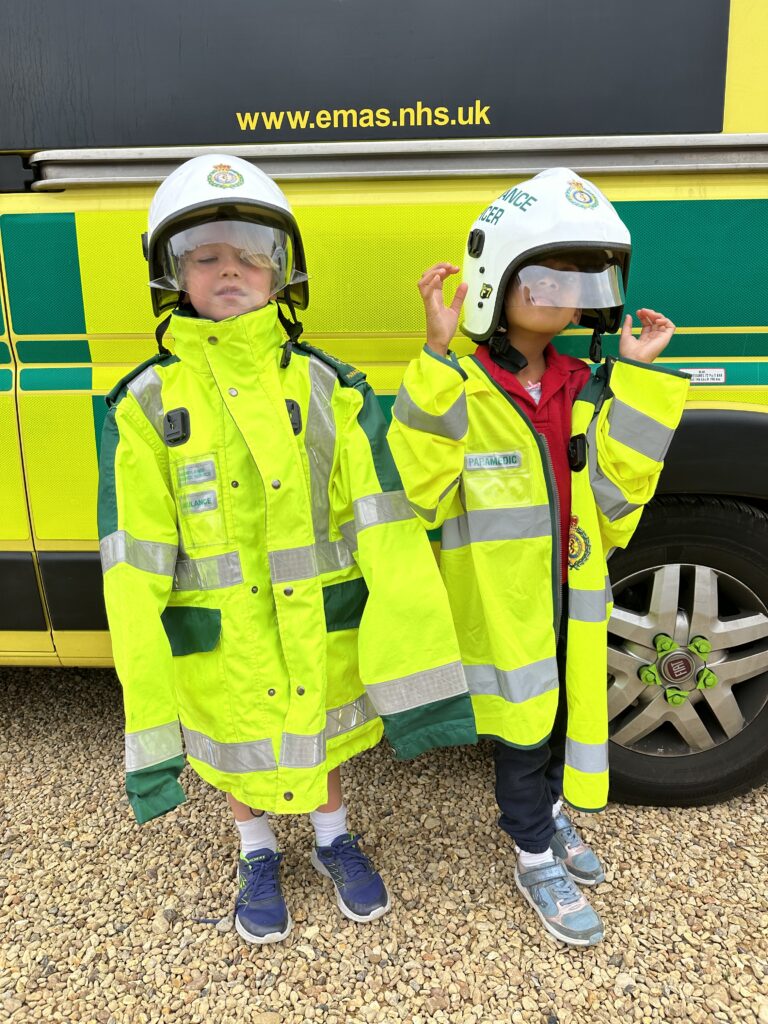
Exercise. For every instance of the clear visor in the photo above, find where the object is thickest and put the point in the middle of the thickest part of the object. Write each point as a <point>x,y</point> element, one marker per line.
<point>567,287</point>
<point>226,247</point>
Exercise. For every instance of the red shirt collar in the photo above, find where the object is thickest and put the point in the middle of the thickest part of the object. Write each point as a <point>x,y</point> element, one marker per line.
<point>559,368</point>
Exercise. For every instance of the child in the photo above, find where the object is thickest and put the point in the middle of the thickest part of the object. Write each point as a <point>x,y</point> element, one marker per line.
<point>536,470</point>
<point>259,553</point>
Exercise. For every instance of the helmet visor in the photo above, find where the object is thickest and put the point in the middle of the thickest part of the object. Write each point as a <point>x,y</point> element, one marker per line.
<point>223,246</point>
<point>563,285</point>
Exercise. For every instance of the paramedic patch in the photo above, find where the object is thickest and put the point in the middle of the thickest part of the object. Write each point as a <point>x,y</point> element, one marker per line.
<point>493,460</point>
<point>579,547</point>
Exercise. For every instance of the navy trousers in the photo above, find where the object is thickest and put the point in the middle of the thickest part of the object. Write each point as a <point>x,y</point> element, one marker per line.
<point>529,782</point>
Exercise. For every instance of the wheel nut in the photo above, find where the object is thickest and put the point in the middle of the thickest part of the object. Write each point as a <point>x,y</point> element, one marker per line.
<point>675,697</point>
<point>706,679</point>
<point>664,643</point>
<point>649,675</point>
<point>701,646</point>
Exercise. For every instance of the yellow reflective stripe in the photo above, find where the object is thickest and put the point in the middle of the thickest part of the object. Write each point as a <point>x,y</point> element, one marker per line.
<point>417,690</point>
<point>148,747</point>
<point>496,524</point>
<point>292,564</point>
<point>514,685</point>
<point>375,509</point>
<point>591,758</point>
<point>211,573</point>
<point>638,431</point>
<point>586,605</point>
<point>147,389</point>
<point>233,758</point>
<point>610,500</point>
<point>320,442</point>
<point>147,555</point>
<point>453,423</point>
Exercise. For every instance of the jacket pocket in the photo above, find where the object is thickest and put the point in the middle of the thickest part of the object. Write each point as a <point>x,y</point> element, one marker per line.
<point>191,630</point>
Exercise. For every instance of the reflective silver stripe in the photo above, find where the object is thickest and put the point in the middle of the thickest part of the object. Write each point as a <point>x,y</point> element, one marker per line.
<point>150,556</point>
<point>586,605</point>
<point>349,533</point>
<point>235,758</point>
<point>320,439</point>
<point>349,716</point>
<point>292,564</point>
<point>417,690</point>
<point>610,500</point>
<point>430,514</point>
<point>375,509</point>
<point>302,751</point>
<point>152,746</point>
<point>638,431</point>
<point>515,685</point>
<point>210,573</point>
<point>453,423</point>
<point>608,591</point>
<point>496,524</point>
<point>147,389</point>
<point>586,757</point>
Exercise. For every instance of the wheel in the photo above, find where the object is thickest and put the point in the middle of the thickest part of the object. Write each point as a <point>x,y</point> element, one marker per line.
<point>694,729</point>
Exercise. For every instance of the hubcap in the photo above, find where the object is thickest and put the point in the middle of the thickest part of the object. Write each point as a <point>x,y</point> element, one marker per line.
<point>692,605</point>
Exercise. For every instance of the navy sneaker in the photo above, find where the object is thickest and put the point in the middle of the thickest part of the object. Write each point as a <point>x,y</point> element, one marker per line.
<point>360,891</point>
<point>260,911</point>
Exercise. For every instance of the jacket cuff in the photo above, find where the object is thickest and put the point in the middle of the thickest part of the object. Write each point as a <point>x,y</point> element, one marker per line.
<point>154,791</point>
<point>447,360</point>
<point>654,367</point>
<point>447,723</point>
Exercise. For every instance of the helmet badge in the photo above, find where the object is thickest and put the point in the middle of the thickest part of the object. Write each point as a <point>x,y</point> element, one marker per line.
<point>581,196</point>
<point>222,176</point>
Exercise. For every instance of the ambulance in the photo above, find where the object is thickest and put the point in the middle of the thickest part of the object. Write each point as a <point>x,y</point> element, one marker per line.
<point>390,129</point>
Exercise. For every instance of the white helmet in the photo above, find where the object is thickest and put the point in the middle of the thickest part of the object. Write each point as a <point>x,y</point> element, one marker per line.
<point>226,199</point>
<point>556,213</point>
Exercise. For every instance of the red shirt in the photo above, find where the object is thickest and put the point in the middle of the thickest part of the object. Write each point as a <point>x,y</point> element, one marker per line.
<point>563,379</point>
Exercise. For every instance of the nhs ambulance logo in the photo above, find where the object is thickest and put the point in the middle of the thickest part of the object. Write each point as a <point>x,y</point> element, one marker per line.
<point>581,196</point>
<point>493,460</point>
<point>222,176</point>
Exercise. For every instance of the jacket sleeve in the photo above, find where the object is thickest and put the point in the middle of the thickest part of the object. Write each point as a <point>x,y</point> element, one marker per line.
<point>427,434</point>
<point>138,543</point>
<point>408,652</point>
<point>628,441</point>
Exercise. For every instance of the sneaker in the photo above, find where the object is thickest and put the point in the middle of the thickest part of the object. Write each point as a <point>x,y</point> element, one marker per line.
<point>580,860</point>
<point>260,911</point>
<point>360,891</point>
<point>563,910</point>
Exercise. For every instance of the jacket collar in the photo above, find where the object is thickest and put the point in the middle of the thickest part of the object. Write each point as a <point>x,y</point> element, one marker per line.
<point>558,371</point>
<point>249,340</point>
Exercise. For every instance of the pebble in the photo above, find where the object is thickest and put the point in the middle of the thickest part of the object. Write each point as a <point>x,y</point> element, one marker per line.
<point>122,931</point>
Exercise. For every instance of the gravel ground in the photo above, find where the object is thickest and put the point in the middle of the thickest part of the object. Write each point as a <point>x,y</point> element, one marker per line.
<point>100,919</point>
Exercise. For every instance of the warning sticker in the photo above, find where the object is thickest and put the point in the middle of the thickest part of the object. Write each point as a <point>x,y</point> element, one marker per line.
<point>705,374</point>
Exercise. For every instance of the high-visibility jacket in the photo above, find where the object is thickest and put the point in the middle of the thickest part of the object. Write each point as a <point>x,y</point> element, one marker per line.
<point>471,462</point>
<point>271,596</point>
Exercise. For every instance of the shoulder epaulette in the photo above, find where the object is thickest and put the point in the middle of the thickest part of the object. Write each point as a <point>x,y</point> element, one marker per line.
<point>349,375</point>
<point>159,359</point>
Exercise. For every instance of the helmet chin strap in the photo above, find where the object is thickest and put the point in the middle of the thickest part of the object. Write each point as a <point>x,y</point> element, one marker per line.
<point>160,330</point>
<point>596,345</point>
<point>505,355</point>
<point>293,328</point>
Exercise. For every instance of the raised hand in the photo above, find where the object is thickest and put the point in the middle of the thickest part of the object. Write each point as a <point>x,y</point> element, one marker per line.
<point>442,320</point>
<point>654,337</point>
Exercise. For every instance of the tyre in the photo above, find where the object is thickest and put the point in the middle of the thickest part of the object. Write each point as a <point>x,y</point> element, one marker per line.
<point>694,729</point>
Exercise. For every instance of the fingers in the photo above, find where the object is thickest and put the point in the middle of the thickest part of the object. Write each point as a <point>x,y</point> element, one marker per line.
<point>650,318</point>
<point>458,298</point>
<point>435,276</point>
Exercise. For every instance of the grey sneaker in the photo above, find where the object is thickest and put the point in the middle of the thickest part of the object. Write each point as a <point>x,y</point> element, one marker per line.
<point>580,860</point>
<point>563,910</point>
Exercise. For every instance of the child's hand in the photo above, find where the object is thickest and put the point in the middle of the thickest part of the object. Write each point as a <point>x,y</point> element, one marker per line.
<point>441,319</point>
<point>654,337</point>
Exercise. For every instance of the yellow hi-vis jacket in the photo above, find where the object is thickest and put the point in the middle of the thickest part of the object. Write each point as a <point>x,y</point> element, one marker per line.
<point>271,596</point>
<point>471,462</point>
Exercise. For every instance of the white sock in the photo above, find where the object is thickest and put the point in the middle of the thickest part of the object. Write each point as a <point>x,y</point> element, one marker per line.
<point>329,825</point>
<point>256,834</point>
<point>556,808</point>
<point>534,860</point>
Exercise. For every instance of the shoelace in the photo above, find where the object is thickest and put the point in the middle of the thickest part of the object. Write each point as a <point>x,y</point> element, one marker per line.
<point>353,861</point>
<point>564,890</point>
<point>261,883</point>
<point>571,836</point>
